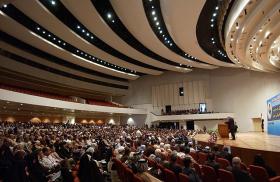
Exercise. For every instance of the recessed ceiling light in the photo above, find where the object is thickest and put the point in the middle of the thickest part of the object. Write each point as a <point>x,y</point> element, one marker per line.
<point>53,2</point>
<point>212,25</point>
<point>87,34</point>
<point>44,32</point>
<point>216,8</point>
<point>38,28</point>
<point>91,37</point>
<point>109,15</point>
<point>113,21</point>
<point>157,23</point>
<point>83,30</point>
<point>155,18</point>
<point>212,20</point>
<point>153,7</point>
<point>214,14</point>
<point>5,5</point>
<point>49,35</point>
<point>153,12</point>
<point>231,39</point>
<point>160,31</point>
<point>78,27</point>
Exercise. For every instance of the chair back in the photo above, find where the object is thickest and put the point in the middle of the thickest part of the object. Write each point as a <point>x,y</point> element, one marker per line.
<point>170,176</point>
<point>226,176</point>
<point>223,163</point>
<point>194,156</point>
<point>202,157</point>
<point>180,161</point>
<point>243,166</point>
<point>197,169</point>
<point>128,174</point>
<point>258,173</point>
<point>183,178</point>
<point>208,174</point>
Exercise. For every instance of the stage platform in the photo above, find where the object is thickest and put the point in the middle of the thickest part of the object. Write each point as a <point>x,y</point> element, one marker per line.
<point>250,140</point>
<point>247,145</point>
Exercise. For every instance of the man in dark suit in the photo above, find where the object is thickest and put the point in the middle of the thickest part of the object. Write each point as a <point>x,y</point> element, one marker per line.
<point>173,166</point>
<point>239,174</point>
<point>231,127</point>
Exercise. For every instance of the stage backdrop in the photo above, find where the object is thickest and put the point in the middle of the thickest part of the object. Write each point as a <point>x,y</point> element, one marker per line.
<point>273,115</point>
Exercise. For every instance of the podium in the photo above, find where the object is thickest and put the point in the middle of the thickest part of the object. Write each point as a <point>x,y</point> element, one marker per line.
<point>223,130</point>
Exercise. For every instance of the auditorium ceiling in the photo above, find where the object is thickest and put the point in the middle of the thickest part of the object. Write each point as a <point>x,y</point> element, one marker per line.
<point>98,46</point>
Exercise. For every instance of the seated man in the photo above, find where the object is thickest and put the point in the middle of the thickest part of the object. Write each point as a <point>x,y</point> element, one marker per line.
<point>239,174</point>
<point>212,163</point>
<point>173,166</point>
<point>188,170</point>
<point>51,166</point>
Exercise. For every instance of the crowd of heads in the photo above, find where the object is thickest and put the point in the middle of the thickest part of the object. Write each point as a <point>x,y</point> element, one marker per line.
<point>45,152</point>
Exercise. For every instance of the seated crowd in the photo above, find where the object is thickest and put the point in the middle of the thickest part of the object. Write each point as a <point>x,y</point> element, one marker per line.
<point>87,153</point>
<point>183,111</point>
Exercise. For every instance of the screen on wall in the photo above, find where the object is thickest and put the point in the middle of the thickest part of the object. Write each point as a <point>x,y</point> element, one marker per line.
<point>273,115</point>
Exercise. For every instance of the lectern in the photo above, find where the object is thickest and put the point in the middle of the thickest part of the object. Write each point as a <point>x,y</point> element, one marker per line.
<point>223,130</point>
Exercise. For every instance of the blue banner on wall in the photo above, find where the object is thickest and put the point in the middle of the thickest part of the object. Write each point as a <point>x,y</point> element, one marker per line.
<point>273,115</point>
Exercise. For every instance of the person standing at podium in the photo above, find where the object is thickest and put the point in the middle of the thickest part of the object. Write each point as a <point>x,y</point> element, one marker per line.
<point>231,127</point>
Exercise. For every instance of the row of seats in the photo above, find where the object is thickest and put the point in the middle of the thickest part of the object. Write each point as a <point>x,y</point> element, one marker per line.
<point>207,173</point>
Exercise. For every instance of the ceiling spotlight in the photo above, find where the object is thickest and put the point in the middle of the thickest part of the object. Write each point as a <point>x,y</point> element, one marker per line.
<point>54,38</point>
<point>64,43</point>
<point>44,32</point>
<point>83,30</point>
<point>216,8</point>
<point>155,18</point>
<point>87,34</point>
<point>53,2</point>
<point>152,7</point>
<point>59,41</point>
<point>153,12</point>
<point>214,14</point>
<point>157,23</point>
<point>113,21</point>
<point>5,5</point>
<point>38,28</point>
<point>49,35</point>
<point>160,32</point>
<point>213,42</point>
<point>109,15</point>
<point>180,64</point>
<point>170,44</point>
<point>91,37</point>
<point>150,0</point>
<point>231,39</point>
<point>159,28</point>
<point>212,25</point>
<point>212,20</point>
<point>78,27</point>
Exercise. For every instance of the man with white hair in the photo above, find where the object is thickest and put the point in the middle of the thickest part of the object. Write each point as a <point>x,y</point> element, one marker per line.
<point>239,174</point>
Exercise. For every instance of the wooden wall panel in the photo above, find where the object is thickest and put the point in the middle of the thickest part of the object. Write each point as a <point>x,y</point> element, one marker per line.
<point>171,93</point>
<point>195,92</point>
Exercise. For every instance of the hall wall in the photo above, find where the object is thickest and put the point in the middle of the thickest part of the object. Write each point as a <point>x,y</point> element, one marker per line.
<point>240,91</point>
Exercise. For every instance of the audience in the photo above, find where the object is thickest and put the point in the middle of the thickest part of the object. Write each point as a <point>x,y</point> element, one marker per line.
<point>45,153</point>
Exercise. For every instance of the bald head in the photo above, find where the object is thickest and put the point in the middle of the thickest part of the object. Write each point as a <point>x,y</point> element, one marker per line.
<point>236,161</point>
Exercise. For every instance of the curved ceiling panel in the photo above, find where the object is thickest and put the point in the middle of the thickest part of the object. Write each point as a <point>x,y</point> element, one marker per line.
<point>72,23</point>
<point>251,28</point>
<point>51,58</point>
<point>12,61</point>
<point>8,25</point>
<point>53,64</point>
<point>156,21</point>
<point>183,31</point>
<point>104,32</point>
<point>144,33</point>
<point>55,27</point>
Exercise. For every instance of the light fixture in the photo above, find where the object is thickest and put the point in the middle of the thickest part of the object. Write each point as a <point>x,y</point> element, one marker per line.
<point>53,2</point>
<point>157,23</point>
<point>212,20</point>
<point>38,28</point>
<point>214,14</point>
<point>160,31</point>
<point>216,8</point>
<point>5,5</point>
<point>78,27</point>
<point>109,15</point>
<point>212,25</point>
<point>153,12</point>
<point>155,18</point>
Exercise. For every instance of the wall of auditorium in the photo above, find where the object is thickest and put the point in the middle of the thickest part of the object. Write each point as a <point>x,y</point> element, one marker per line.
<point>240,91</point>
<point>35,119</point>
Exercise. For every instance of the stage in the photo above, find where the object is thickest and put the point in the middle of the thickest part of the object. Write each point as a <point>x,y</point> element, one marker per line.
<point>250,140</point>
<point>247,145</point>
